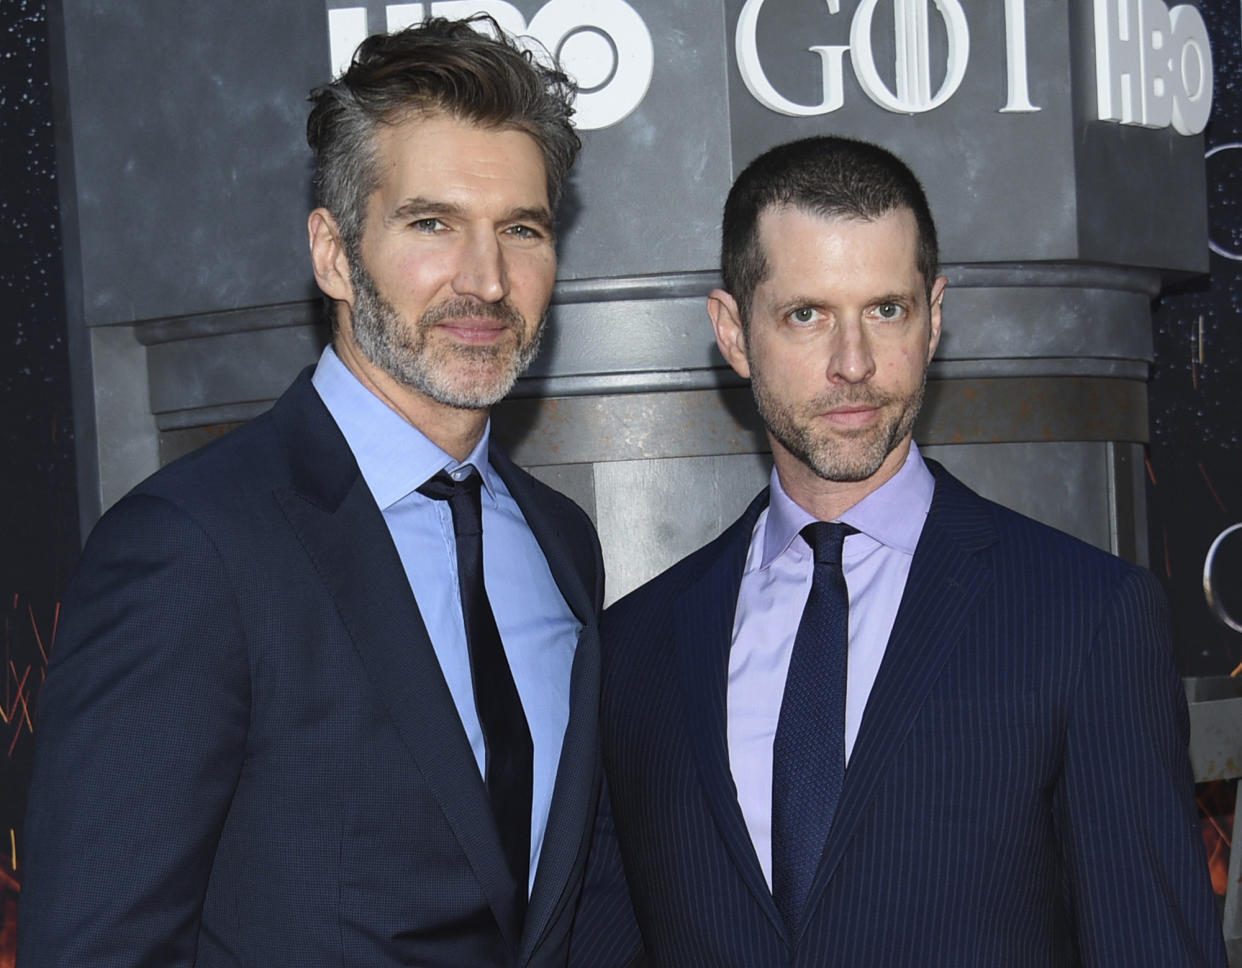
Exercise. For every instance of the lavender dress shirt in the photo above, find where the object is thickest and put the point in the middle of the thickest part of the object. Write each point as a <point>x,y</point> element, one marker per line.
<point>775,585</point>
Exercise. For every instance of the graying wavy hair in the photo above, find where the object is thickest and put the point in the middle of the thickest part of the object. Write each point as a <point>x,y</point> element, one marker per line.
<point>440,66</point>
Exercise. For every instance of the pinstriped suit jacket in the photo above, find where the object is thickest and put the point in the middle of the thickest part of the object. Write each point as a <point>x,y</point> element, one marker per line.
<point>1019,793</point>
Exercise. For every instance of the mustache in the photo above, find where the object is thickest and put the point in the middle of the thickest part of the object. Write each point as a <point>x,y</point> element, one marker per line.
<point>861,396</point>
<point>465,307</point>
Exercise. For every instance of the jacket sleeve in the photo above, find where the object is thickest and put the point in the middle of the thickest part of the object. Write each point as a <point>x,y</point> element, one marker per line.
<point>1145,900</point>
<point>140,735</point>
<point>605,933</point>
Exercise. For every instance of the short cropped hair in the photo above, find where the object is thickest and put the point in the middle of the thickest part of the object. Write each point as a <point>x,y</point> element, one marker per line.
<point>827,176</point>
<point>440,66</point>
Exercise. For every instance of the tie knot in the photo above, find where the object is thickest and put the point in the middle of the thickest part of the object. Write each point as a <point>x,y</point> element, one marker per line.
<point>463,498</point>
<point>444,488</point>
<point>826,538</point>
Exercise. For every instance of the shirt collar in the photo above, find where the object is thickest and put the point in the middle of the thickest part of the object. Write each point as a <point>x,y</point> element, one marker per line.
<point>393,455</point>
<point>892,514</point>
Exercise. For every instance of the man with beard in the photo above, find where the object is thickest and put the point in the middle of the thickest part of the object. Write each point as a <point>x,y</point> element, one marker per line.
<point>325,692</point>
<point>881,721</point>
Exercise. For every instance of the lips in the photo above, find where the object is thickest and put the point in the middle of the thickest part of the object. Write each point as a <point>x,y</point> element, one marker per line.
<point>473,322</point>
<point>474,330</point>
<point>851,417</point>
<point>857,409</point>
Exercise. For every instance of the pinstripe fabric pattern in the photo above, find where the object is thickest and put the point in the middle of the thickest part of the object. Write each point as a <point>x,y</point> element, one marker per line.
<point>1019,794</point>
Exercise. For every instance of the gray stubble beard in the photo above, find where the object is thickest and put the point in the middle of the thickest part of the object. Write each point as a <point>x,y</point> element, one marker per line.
<point>823,454</point>
<point>404,352</point>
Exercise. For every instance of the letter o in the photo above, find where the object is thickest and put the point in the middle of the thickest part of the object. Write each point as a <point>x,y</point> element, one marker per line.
<point>1219,249</point>
<point>1209,581</point>
<point>869,77</point>
<point>1192,70</point>
<point>625,85</point>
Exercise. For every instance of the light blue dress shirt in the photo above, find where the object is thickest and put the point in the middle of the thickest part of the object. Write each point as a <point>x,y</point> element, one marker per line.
<point>775,583</point>
<point>537,627</point>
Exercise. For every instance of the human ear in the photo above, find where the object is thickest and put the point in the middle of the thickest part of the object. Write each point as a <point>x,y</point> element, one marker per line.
<point>937,298</point>
<point>328,258</point>
<point>730,333</point>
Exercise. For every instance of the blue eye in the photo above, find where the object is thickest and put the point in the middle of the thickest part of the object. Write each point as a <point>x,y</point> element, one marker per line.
<point>804,315</point>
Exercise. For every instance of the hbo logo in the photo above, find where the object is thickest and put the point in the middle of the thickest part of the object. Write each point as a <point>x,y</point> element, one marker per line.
<point>1153,65</point>
<point>603,44</point>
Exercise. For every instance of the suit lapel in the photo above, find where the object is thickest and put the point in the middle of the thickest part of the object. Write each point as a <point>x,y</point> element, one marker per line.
<point>343,532</point>
<point>947,575</point>
<point>570,815</point>
<point>704,635</point>
<point>568,564</point>
<point>577,775</point>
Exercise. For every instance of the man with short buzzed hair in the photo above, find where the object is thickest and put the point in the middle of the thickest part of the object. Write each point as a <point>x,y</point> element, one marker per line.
<point>881,722</point>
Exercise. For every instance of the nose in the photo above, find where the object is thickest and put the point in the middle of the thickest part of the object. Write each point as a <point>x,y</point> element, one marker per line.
<point>481,270</point>
<point>850,358</point>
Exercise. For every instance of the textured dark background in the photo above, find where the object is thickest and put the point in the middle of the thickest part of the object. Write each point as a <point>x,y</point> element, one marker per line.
<point>1195,480</point>
<point>38,502</point>
<point>1195,458</point>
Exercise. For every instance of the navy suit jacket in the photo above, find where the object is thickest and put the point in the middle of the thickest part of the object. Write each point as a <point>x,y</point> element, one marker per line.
<point>1019,794</point>
<point>246,751</point>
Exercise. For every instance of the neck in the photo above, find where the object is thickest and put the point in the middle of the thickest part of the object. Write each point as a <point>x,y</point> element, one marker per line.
<point>455,430</point>
<point>827,500</point>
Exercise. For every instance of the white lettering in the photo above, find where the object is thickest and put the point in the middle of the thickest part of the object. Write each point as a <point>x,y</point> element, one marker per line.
<point>603,44</point>
<point>913,81</point>
<point>1192,73</point>
<point>578,33</point>
<point>1015,58</point>
<point>1156,35</point>
<point>1118,62</point>
<point>1153,65</point>
<point>505,14</point>
<point>402,15</point>
<point>347,28</point>
<point>746,44</point>
<point>913,94</point>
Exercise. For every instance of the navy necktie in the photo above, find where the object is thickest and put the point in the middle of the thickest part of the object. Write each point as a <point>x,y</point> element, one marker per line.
<point>808,754</point>
<point>506,736</point>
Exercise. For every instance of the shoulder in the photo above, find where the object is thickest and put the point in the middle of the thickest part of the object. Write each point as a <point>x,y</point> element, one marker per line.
<point>714,570</point>
<point>654,595</point>
<point>1024,552</point>
<point>219,478</point>
<point>252,459</point>
<point>185,519</point>
<point>225,487</point>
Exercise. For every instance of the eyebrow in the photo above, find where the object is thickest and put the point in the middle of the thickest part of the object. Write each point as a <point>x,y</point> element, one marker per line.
<point>421,207</point>
<point>912,296</point>
<point>795,302</point>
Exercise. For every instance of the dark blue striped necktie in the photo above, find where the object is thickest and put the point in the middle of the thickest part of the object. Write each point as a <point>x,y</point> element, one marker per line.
<point>808,754</point>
